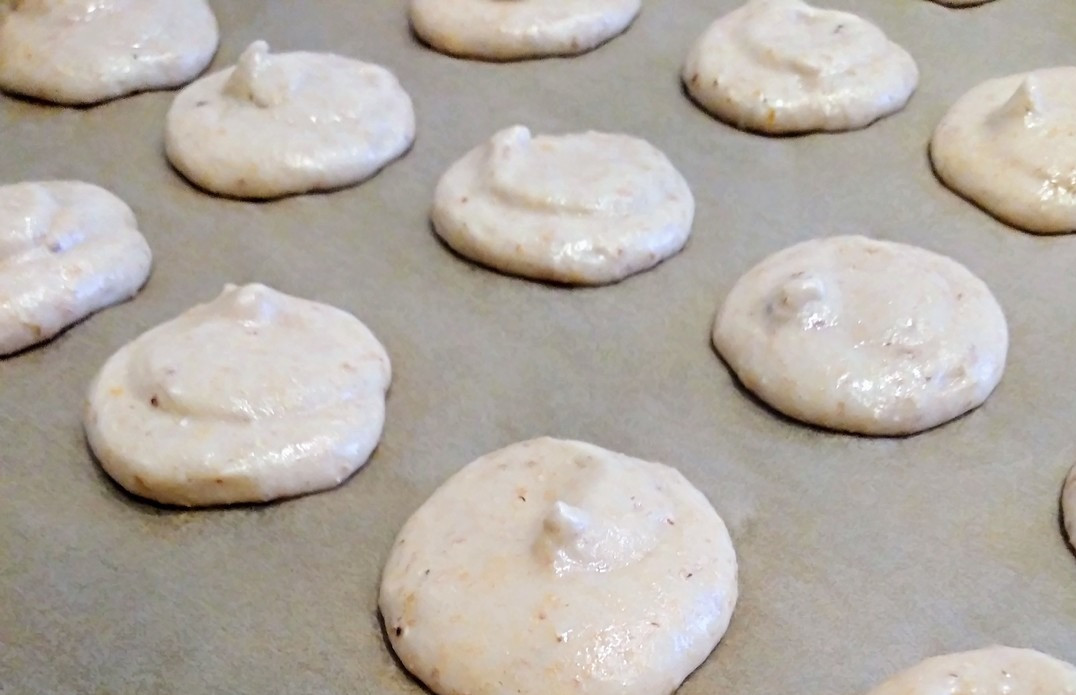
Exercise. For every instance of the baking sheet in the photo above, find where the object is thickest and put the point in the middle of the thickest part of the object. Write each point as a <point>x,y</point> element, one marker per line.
<point>858,556</point>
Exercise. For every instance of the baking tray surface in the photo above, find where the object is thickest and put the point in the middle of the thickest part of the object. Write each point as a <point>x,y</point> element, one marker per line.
<point>858,556</point>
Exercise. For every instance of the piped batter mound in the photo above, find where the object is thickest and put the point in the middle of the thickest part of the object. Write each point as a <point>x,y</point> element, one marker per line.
<point>990,671</point>
<point>865,336</point>
<point>554,567</point>
<point>586,209</point>
<point>782,66</point>
<point>962,3</point>
<point>87,51</point>
<point>288,123</point>
<point>1068,506</point>
<point>253,396</point>
<point>519,29</point>
<point>67,249</point>
<point>1009,146</point>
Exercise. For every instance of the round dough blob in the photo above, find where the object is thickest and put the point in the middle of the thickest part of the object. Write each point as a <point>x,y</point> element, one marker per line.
<point>864,336</point>
<point>67,249</point>
<point>990,671</point>
<point>253,396</point>
<point>288,123</point>
<point>782,66</point>
<point>556,567</point>
<point>1009,145</point>
<point>1068,506</point>
<point>88,51</point>
<point>519,29</point>
<point>584,209</point>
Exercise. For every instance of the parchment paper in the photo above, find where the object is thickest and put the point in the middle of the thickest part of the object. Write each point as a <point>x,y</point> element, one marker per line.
<point>858,556</point>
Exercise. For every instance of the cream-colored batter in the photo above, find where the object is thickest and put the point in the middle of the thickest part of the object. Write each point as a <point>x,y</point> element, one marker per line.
<point>586,208</point>
<point>87,51</point>
<point>253,396</point>
<point>782,66</point>
<point>863,335</point>
<point>67,249</point>
<point>1068,506</point>
<point>990,671</point>
<point>288,123</point>
<point>555,567</point>
<point>1009,145</point>
<point>519,29</point>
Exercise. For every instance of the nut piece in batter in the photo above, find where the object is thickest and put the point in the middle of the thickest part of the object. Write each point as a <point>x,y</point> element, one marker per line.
<point>253,396</point>
<point>586,209</point>
<point>87,51</point>
<point>990,671</point>
<point>67,249</point>
<point>864,336</point>
<point>782,66</point>
<point>1009,146</point>
<point>519,29</point>
<point>555,567</point>
<point>288,123</point>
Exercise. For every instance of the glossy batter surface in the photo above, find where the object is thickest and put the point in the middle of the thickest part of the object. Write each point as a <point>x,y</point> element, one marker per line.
<point>1009,145</point>
<point>782,66</point>
<point>518,29</point>
<point>553,567</point>
<point>86,51</point>
<point>67,249</point>
<point>863,335</point>
<point>587,208</point>
<point>990,671</point>
<point>250,397</point>
<point>280,124</point>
